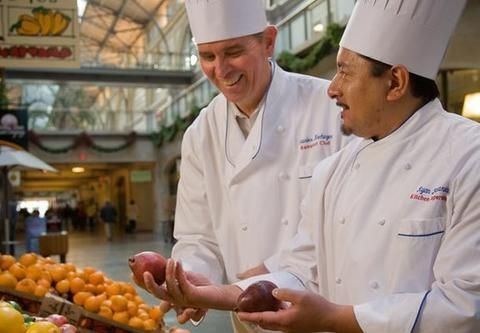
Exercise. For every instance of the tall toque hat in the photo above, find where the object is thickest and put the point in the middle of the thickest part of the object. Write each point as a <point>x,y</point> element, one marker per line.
<point>216,20</point>
<point>413,33</point>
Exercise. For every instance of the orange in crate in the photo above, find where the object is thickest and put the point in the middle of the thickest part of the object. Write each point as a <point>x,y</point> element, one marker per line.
<point>7,280</point>
<point>6,261</point>
<point>28,259</point>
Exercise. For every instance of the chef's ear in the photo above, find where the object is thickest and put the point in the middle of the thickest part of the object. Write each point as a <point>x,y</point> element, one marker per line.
<point>399,82</point>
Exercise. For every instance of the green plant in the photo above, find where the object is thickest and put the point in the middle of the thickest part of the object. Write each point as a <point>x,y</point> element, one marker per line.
<point>324,47</point>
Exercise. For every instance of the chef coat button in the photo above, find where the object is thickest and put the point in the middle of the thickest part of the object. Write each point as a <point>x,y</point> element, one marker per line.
<point>374,285</point>
<point>381,222</point>
<point>338,281</point>
<point>280,129</point>
<point>357,166</point>
<point>283,176</point>
<point>284,221</point>
<point>245,228</point>
<point>408,166</point>
<point>342,221</point>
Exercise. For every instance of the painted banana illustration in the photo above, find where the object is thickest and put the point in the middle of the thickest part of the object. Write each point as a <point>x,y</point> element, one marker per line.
<point>44,22</point>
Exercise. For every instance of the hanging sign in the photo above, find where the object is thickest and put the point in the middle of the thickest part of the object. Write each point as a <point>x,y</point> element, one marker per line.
<point>39,33</point>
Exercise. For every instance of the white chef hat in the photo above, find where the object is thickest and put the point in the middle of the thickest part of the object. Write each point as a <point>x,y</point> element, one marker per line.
<point>216,20</point>
<point>413,33</point>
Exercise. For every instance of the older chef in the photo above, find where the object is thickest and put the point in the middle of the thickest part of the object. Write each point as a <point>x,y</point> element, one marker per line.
<point>249,156</point>
<point>390,239</point>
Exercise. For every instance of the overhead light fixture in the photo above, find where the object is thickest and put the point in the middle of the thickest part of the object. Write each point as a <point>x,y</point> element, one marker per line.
<point>471,106</point>
<point>319,27</point>
<point>78,169</point>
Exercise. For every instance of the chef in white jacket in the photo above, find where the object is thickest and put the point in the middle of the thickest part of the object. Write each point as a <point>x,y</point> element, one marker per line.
<point>390,237</point>
<point>249,156</point>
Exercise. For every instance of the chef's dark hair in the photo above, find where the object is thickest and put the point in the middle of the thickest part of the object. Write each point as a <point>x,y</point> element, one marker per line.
<point>421,87</point>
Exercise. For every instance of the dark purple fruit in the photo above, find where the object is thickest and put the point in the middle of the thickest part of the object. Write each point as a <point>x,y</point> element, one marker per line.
<point>258,298</point>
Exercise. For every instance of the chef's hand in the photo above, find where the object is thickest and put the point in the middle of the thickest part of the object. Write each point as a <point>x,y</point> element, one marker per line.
<point>257,270</point>
<point>182,292</point>
<point>308,312</point>
<point>184,314</point>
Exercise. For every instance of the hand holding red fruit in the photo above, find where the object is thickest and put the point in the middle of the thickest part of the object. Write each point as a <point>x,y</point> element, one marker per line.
<point>308,312</point>
<point>258,298</point>
<point>148,261</point>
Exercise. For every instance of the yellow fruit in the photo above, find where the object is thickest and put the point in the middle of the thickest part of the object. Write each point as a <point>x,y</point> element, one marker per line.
<point>113,289</point>
<point>28,259</point>
<point>156,313</point>
<point>143,314</point>
<point>92,304</point>
<point>6,261</point>
<point>99,289</point>
<point>119,303</point>
<point>80,297</point>
<point>90,288</point>
<point>96,278</point>
<point>135,322</point>
<point>105,312</point>
<point>11,320</point>
<point>45,283</point>
<point>40,290</point>
<point>69,267</point>
<point>132,308</point>
<point>27,286</point>
<point>43,327</point>
<point>7,280</point>
<point>57,272</point>
<point>18,270</point>
<point>63,286</point>
<point>150,325</point>
<point>77,284</point>
<point>121,317</point>
<point>34,272</point>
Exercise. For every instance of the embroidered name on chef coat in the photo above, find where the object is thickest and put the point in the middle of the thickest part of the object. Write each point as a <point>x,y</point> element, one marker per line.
<point>315,140</point>
<point>426,194</point>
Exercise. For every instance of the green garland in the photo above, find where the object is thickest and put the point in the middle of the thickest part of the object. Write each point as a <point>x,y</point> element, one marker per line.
<point>3,94</point>
<point>81,140</point>
<point>324,47</point>
<point>179,125</point>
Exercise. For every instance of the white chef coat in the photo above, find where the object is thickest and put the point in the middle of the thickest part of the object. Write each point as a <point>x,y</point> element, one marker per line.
<point>395,227</point>
<point>238,198</point>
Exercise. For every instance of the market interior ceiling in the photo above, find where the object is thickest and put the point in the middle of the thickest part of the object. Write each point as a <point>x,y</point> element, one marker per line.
<point>110,32</point>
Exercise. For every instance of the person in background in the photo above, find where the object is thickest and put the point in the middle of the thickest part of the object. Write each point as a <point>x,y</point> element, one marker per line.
<point>132,217</point>
<point>108,214</point>
<point>248,157</point>
<point>91,215</point>
<point>34,227</point>
<point>389,240</point>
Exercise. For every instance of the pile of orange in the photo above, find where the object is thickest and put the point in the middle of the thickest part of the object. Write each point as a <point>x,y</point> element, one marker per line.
<point>87,287</point>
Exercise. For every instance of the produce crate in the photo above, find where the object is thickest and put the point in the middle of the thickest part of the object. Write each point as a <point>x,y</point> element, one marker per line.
<point>93,323</point>
<point>85,321</point>
<point>29,303</point>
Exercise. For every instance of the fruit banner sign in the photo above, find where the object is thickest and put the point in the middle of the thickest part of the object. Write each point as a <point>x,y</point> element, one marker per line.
<point>39,33</point>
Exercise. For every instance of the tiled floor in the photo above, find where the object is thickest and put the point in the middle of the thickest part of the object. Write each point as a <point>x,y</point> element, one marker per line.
<point>87,249</point>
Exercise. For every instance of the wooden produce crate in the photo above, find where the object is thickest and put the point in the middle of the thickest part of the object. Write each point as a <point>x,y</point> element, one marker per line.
<point>55,243</point>
<point>93,323</point>
<point>29,303</point>
<point>85,321</point>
